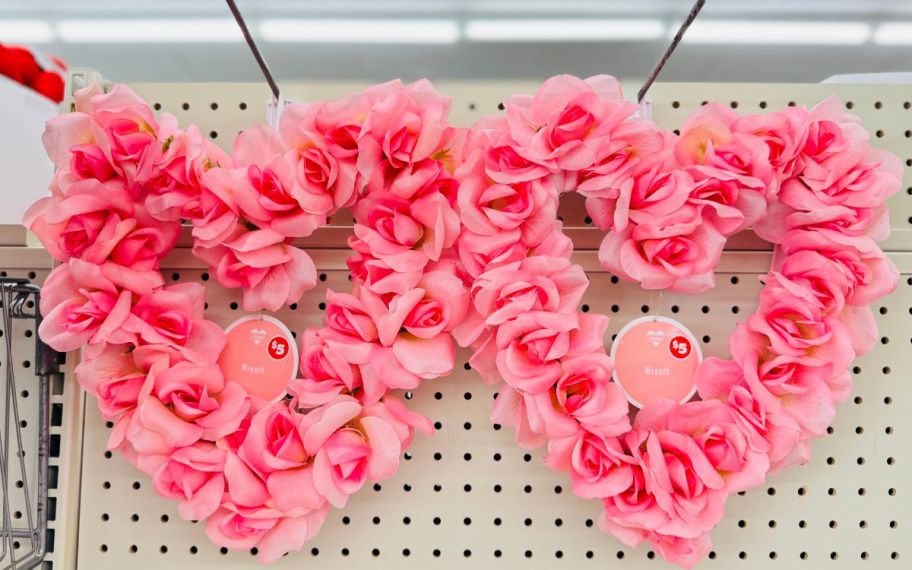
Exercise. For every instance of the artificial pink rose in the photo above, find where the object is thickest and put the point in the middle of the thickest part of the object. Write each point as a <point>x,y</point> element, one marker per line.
<point>194,476</point>
<point>663,258</point>
<point>793,327</point>
<point>820,281</point>
<point>784,132</point>
<point>268,529</point>
<point>199,396</point>
<point>584,395</point>
<point>870,271</point>
<point>213,211</point>
<point>724,200</point>
<point>653,197</point>
<point>688,492</point>
<point>406,235</point>
<point>331,364</point>
<point>530,347</point>
<point>708,139</point>
<point>70,140</point>
<point>405,125</point>
<point>127,127</point>
<point>275,440</point>
<point>347,314</point>
<point>114,378</point>
<point>510,410</point>
<point>173,186</point>
<point>725,380</point>
<point>734,450</point>
<point>490,209</point>
<point>83,303</point>
<point>832,132</point>
<point>596,462</point>
<point>338,123</point>
<point>563,125</point>
<point>86,221</point>
<point>538,282</point>
<point>631,143</point>
<point>173,315</point>
<point>490,136</point>
<point>480,253</point>
<point>685,552</point>
<point>271,271</point>
<point>375,274</point>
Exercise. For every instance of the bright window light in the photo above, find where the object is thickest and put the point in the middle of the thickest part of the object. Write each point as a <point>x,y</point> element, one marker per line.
<point>776,33</point>
<point>563,30</point>
<point>351,31</point>
<point>26,31</point>
<point>149,31</point>
<point>894,34</point>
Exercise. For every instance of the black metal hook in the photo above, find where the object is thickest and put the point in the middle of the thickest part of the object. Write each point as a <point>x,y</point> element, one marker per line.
<point>264,68</point>
<point>694,12</point>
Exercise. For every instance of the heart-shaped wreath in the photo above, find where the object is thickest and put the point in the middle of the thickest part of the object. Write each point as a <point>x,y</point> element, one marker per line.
<point>264,473</point>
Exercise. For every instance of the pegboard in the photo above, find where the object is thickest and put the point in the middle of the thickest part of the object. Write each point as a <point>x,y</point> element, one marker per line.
<point>467,497</point>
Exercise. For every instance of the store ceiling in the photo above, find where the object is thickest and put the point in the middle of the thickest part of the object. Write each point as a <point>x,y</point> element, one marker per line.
<point>734,40</point>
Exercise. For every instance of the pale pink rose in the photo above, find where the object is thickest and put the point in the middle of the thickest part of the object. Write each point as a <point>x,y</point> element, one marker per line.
<point>338,123</point>
<point>583,397</point>
<point>347,314</point>
<point>803,387</point>
<point>725,380</point>
<point>724,201</point>
<point>490,209</point>
<point>563,125</point>
<point>83,303</point>
<point>480,253</point>
<point>290,188</point>
<point>114,378</point>
<point>688,492</point>
<point>784,132</point>
<point>708,139</point>
<point>871,273</point>
<point>405,125</point>
<point>142,448</point>
<point>428,177</point>
<point>250,514</point>
<point>173,316</point>
<point>510,410</point>
<point>795,328</point>
<point>275,440</point>
<point>193,475</point>
<point>199,395</point>
<point>653,198</point>
<point>126,128</point>
<point>76,143</point>
<point>271,271</point>
<point>734,450</point>
<point>406,235</point>
<point>213,211</point>
<point>86,221</point>
<point>595,463</point>
<point>490,136</point>
<point>538,283</point>
<point>832,132</point>
<point>631,143</point>
<point>350,445</point>
<point>377,275</point>
<point>823,283</point>
<point>530,347</point>
<point>665,259</point>
<point>685,552</point>
<point>331,364</point>
<point>173,185</point>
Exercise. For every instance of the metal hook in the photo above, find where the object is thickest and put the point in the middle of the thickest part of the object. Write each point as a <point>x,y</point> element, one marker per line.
<point>264,68</point>
<point>698,5</point>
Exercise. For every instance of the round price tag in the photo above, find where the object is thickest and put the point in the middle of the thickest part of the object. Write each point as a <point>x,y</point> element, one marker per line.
<point>655,358</point>
<point>260,355</point>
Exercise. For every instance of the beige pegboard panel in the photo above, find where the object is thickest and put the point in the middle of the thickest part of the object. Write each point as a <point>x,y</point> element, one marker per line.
<point>467,497</point>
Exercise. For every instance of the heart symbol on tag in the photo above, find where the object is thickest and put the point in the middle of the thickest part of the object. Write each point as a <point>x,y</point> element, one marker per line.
<point>655,337</point>
<point>257,336</point>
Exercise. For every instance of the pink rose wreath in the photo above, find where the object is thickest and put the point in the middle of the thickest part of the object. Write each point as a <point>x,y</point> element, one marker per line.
<point>262,474</point>
<point>806,181</point>
<point>483,259</point>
